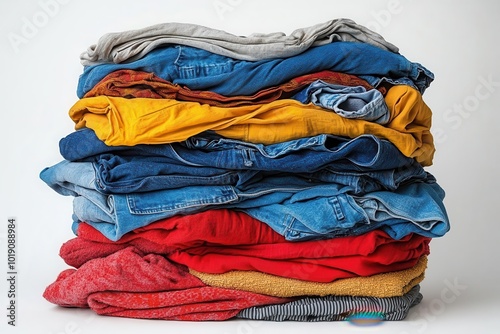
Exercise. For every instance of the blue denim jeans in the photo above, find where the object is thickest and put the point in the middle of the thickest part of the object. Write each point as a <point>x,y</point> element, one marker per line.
<point>415,207</point>
<point>201,70</point>
<point>310,154</point>
<point>365,163</point>
<point>294,207</point>
<point>349,102</point>
<point>113,174</point>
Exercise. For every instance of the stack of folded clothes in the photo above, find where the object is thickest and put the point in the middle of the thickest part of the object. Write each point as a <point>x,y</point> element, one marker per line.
<point>271,177</point>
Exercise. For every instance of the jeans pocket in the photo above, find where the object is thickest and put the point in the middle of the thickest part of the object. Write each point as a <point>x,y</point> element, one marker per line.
<point>180,201</point>
<point>194,63</point>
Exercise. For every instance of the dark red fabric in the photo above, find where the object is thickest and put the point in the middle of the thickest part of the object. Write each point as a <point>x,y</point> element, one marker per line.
<point>131,83</point>
<point>128,283</point>
<point>218,241</point>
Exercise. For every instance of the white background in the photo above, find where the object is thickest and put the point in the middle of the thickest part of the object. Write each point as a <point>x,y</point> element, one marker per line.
<point>457,40</point>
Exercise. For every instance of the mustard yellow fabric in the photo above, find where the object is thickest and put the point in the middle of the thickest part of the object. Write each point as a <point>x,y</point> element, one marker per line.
<point>390,284</point>
<point>121,121</point>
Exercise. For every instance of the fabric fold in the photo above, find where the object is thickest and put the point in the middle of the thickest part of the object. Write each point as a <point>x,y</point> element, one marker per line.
<point>390,284</point>
<point>214,243</point>
<point>132,84</point>
<point>363,153</point>
<point>120,121</point>
<point>337,308</point>
<point>130,284</point>
<point>133,44</point>
<point>296,207</point>
<point>199,69</point>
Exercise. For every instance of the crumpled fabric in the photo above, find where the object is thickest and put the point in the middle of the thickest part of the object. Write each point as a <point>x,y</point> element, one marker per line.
<point>130,284</point>
<point>129,45</point>
<point>140,84</point>
<point>218,241</point>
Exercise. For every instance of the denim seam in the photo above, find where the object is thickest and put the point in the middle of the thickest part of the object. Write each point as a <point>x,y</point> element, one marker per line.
<point>182,159</point>
<point>337,208</point>
<point>132,186</point>
<point>289,232</point>
<point>162,208</point>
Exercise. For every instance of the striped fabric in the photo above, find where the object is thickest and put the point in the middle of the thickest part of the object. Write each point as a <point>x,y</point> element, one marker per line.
<point>336,308</point>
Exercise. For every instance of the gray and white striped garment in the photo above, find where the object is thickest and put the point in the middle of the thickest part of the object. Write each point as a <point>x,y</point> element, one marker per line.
<point>336,308</point>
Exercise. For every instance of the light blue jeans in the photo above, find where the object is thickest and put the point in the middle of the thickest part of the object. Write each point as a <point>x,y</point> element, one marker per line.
<point>348,102</point>
<point>292,206</point>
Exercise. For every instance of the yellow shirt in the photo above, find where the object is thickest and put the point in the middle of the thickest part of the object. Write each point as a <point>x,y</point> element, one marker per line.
<point>120,121</point>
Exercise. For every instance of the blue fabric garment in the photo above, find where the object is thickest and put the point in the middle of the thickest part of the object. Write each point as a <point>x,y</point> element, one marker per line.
<point>365,163</point>
<point>201,70</point>
<point>113,174</point>
<point>349,102</point>
<point>310,154</point>
<point>294,207</point>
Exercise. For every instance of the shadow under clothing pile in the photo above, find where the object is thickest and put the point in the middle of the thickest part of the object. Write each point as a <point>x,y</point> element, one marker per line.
<point>269,177</point>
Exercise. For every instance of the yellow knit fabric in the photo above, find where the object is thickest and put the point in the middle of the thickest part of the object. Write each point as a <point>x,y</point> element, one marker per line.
<point>389,284</point>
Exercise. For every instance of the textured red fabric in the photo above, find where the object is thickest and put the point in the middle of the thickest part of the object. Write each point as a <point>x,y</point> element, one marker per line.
<point>217,241</point>
<point>131,83</point>
<point>130,284</point>
<point>194,304</point>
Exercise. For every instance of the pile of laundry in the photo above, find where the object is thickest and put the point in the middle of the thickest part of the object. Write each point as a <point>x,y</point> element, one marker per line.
<point>270,176</point>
